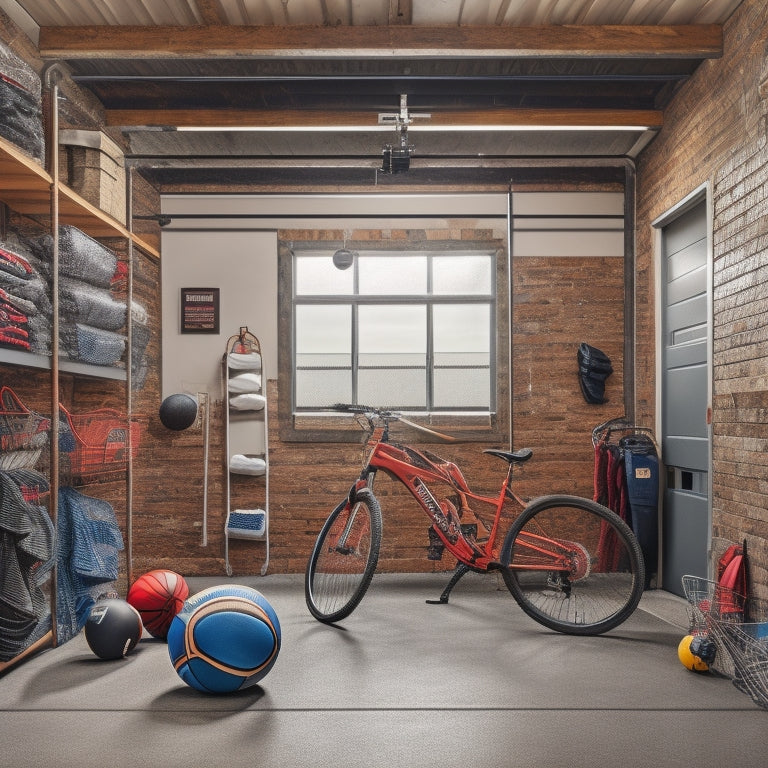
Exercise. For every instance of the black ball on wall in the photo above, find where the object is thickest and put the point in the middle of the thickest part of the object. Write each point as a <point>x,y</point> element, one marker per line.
<point>178,411</point>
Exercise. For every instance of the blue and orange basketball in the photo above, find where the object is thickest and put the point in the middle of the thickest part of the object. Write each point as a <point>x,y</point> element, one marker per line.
<point>224,639</point>
<point>158,596</point>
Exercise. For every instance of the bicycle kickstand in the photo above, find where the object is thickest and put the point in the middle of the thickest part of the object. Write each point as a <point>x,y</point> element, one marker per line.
<point>459,571</point>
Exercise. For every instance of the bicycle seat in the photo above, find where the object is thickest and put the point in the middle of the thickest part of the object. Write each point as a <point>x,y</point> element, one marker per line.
<point>513,457</point>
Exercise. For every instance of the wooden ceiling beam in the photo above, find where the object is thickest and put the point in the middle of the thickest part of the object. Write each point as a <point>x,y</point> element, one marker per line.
<point>568,41</point>
<point>297,119</point>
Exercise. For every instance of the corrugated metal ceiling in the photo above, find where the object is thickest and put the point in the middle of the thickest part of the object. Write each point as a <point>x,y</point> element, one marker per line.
<point>45,13</point>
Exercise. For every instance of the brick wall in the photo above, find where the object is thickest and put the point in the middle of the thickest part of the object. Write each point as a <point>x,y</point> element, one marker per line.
<point>559,302</point>
<point>715,132</point>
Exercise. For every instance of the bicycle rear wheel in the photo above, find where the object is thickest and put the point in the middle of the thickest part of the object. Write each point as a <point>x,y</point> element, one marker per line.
<point>573,565</point>
<point>344,558</point>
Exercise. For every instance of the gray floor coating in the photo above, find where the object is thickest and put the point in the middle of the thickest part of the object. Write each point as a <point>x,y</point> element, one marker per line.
<point>400,683</point>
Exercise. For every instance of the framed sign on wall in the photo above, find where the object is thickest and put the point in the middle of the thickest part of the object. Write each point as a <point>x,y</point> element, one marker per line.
<point>199,310</point>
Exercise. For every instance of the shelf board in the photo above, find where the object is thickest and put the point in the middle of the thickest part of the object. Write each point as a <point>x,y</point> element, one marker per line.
<point>78,212</point>
<point>27,359</point>
<point>43,362</point>
<point>25,186</point>
<point>96,371</point>
<point>145,246</point>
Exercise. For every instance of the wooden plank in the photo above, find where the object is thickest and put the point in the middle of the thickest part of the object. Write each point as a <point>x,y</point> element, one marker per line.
<point>309,118</point>
<point>24,184</point>
<point>76,210</point>
<point>94,42</point>
<point>44,642</point>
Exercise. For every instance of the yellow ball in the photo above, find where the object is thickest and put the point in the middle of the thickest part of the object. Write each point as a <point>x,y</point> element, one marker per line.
<point>689,659</point>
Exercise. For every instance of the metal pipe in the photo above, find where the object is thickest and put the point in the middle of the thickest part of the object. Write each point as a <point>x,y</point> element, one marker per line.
<point>129,377</point>
<point>51,79</point>
<point>510,327</point>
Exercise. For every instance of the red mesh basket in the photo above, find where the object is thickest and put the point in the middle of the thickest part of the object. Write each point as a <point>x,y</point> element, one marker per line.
<point>97,444</point>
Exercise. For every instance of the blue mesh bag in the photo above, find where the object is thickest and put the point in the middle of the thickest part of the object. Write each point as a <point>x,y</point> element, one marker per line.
<point>89,543</point>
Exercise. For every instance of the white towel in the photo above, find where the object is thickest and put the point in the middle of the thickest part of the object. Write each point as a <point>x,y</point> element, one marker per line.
<point>245,382</point>
<point>247,465</point>
<point>248,402</point>
<point>240,361</point>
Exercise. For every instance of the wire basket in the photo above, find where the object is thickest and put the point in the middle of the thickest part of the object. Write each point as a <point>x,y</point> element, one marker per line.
<point>23,433</point>
<point>97,444</point>
<point>739,628</point>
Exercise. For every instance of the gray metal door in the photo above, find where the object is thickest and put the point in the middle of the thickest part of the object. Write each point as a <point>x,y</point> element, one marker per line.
<point>685,442</point>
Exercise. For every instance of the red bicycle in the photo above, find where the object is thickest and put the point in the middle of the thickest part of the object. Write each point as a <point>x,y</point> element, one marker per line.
<point>571,564</point>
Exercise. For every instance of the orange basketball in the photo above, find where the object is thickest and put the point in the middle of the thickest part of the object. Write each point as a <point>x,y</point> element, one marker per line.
<point>158,596</point>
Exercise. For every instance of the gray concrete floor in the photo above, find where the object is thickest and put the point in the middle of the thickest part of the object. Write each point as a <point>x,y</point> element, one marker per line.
<point>399,683</point>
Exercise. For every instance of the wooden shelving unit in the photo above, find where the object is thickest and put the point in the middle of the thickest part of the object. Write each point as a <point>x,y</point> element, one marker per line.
<point>28,189</point>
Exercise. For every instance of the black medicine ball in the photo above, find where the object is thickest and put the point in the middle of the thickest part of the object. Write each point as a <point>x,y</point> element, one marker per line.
<point>113,628</point>
<point>178,411</point>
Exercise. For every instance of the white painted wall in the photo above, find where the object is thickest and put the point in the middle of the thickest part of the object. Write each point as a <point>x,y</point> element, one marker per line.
<point>243,265</point>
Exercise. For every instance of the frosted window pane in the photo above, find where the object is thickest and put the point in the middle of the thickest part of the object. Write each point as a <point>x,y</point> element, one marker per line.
<point>462,275</point>
<point>393,388</point>
<point>399,328</point>
<point>317,388</point>
<point>462,328</point>
<point>461,388</point>
<point>324,330</point>
<point>317,276</point>
<point>392,275</point>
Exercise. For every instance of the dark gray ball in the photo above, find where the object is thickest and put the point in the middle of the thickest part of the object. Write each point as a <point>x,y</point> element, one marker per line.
<point>113,628</point>
<point>178,411</point>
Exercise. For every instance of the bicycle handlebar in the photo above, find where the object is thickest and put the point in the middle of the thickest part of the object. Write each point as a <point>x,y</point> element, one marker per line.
<point>369,412</point>
<point>365,410</point>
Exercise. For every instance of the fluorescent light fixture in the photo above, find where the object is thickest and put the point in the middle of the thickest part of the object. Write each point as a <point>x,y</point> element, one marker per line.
<point>415,128</point>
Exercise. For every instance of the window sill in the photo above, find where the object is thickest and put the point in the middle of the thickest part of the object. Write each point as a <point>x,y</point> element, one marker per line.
<point>324,427</point>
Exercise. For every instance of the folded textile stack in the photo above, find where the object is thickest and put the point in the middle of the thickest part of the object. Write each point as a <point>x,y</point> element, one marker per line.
<point>84,303</point>
<point>245,383</point>
<point>140,336</point>
<point>21,113</point>
<point>247,523</point>
<point>25,308</point>
<point>91,314</point>
<point>91,345</point>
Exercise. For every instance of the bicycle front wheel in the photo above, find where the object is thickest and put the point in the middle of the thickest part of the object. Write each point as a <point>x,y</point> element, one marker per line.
<point>573,565</point>
<point>344,558</point>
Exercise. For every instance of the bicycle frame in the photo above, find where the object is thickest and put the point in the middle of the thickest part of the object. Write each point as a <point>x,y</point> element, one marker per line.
<point>416,469</point>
